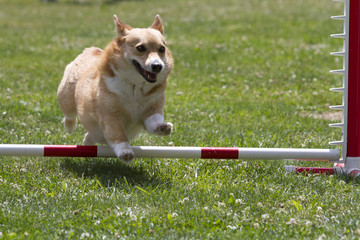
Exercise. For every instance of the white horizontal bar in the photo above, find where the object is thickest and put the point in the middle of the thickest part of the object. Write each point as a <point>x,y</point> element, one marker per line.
<point>167,152</point>
<point>155,152</point>
<point>171,152</point>
<point>289,153</point>
<point>21,150</point>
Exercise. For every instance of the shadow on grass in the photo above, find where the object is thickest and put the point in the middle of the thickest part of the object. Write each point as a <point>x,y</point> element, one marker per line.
<point>113,173</point>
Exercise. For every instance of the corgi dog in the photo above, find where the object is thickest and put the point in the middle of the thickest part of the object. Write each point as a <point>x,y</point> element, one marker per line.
<point>119,91</point>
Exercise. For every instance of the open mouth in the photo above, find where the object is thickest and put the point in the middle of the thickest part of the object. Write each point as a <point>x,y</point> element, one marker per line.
<point>148,76</point>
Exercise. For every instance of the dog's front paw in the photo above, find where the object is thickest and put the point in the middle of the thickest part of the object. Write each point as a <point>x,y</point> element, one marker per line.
<point>126,155</point>
<point>155,125</point>
<point>164,129</point>
<point>124,152</point>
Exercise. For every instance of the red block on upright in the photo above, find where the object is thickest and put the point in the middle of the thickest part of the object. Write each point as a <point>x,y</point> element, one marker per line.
<point>353,126</point>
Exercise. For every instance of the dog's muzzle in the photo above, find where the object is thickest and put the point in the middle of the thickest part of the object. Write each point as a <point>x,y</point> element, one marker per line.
<point>150,77</point>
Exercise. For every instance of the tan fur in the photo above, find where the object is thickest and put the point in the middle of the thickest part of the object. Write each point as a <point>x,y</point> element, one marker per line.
<point>109,95</point>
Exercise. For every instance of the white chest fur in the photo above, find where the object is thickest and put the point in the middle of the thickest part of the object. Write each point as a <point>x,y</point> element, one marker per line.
<point>132,96</point>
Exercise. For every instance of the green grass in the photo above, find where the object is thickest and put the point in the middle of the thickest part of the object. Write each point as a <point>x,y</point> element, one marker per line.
<point>247,73</point>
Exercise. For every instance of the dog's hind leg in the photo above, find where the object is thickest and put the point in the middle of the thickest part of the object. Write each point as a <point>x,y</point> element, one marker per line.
<point>94,133</point>
<point>94,137</point>
<point>70,124</point>
<point>66,98</point>
<point>87,140</point>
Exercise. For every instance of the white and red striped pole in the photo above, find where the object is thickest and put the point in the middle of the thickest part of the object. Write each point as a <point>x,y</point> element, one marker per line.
<point>172,152</point>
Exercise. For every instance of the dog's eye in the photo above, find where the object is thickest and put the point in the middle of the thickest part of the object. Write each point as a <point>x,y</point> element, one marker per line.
<point>162,49</point>
<point>141,48</point>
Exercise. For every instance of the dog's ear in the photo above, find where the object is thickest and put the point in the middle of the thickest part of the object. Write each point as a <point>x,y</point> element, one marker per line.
<point>122,29</point>
<point>157,24</point>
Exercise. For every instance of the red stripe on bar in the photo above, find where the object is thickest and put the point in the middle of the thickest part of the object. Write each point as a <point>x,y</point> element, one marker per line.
<point>70,151</point>
<point>327,171</point>
<point>220,153</point>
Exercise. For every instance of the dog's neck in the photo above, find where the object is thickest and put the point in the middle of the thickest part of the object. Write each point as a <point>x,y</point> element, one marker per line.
<point>107,62</point>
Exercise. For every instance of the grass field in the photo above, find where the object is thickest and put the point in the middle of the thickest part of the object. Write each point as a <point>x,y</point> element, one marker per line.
<point>247,74</point>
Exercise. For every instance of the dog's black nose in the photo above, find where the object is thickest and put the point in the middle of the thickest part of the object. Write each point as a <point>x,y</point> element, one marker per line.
<point>156,67</point>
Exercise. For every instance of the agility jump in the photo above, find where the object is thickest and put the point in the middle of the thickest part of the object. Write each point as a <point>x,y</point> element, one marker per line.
<point>347,158</point>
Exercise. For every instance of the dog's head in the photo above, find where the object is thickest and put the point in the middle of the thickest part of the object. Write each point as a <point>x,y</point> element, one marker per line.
<point>145,50</point>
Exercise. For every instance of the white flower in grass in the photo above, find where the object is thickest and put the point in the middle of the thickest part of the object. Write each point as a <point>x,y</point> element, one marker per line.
<point>97,223</point>
<point>308,223</point>
<point>292,221</point>
<point>184,200</point>
<point>43,191</point>
<point>259,204</point>
<point>265,216</point>
<point>322,236</point>
<point>256,225</point>
<point>133,217</point>
<point>334,218</point>
<point>174,214</point>
<point>85,235</point>
<point>238,201</point>
<point>231,227</point>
